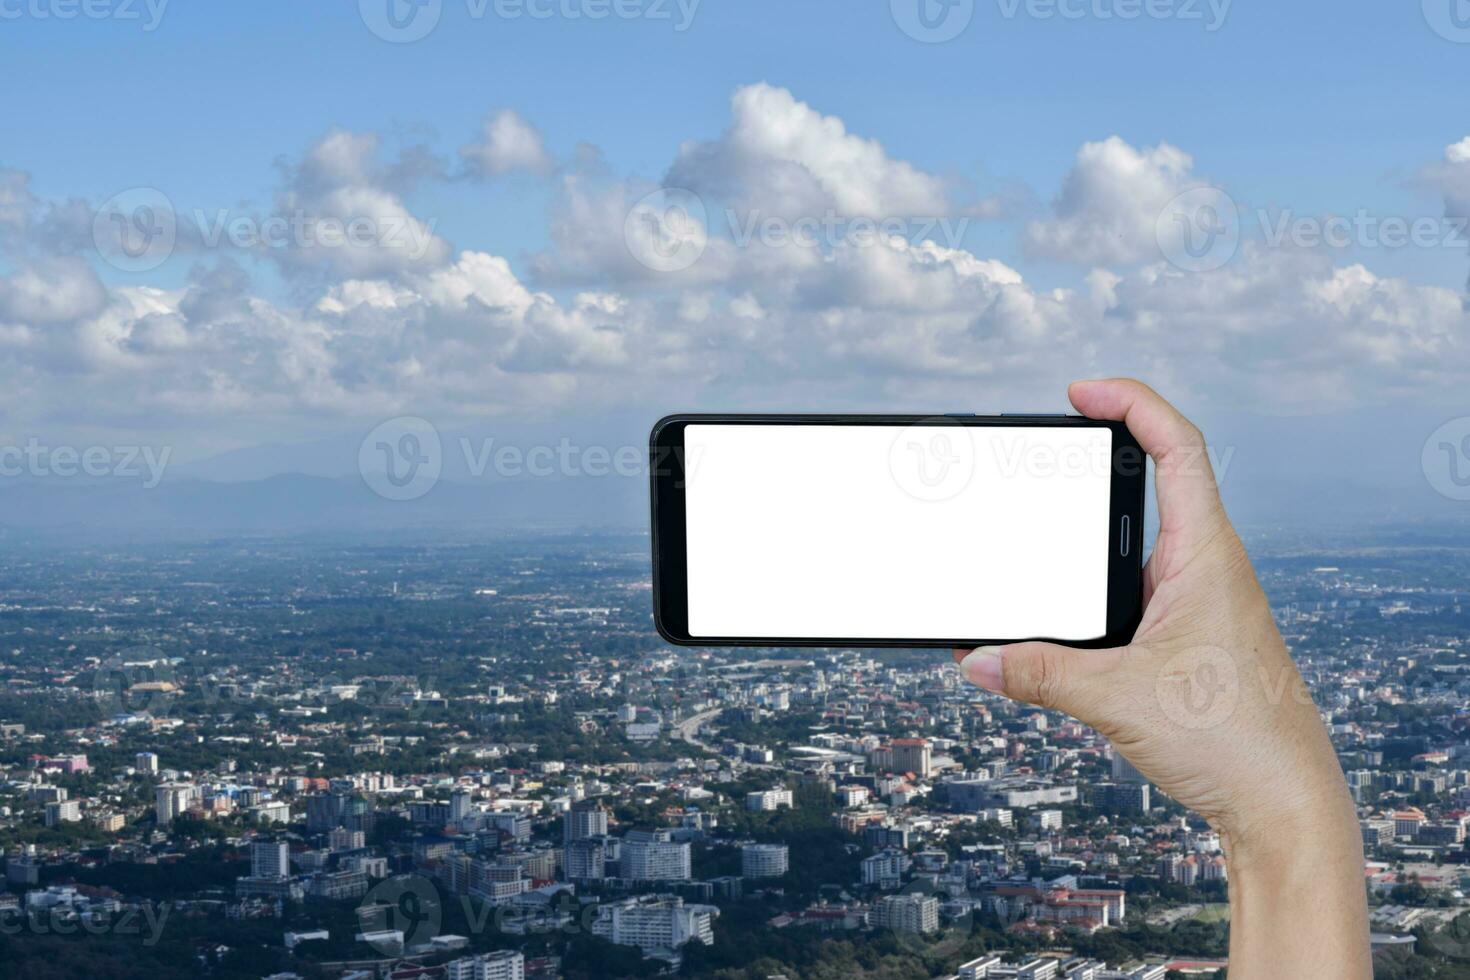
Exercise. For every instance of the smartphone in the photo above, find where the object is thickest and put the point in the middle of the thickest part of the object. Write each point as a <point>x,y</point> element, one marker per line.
<point>895,530</point>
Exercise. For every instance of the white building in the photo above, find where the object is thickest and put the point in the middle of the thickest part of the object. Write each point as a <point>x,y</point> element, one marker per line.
<point>505,964</point>
<point>771,799</point>
<point>63,811</point>
<point>172,799</point>
<point>764,860</point>
<point>652,855</point>
<point>885,869</point>
<point>655,923</point>
<point>146,762</point>
<point>270,859</point>
<point>907,913</point>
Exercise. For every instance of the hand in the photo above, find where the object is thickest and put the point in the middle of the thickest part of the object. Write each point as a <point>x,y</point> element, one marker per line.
<point>1206,702</point>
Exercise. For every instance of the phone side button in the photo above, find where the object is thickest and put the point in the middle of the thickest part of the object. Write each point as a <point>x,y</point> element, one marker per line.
<point>1124,538</point>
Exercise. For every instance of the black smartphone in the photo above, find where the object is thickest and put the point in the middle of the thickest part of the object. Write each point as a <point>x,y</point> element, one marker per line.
<point>895,530</point>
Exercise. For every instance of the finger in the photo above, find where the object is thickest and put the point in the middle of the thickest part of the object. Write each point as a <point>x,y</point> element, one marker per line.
<point>1043,674</point>
<point>1188,496</point>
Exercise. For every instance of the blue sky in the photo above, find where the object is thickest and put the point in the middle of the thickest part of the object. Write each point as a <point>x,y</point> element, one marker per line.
<point>1058,137</point>
<point>1323,105</point>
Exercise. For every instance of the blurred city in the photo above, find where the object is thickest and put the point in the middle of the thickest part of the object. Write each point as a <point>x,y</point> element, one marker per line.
<point>469,757</point>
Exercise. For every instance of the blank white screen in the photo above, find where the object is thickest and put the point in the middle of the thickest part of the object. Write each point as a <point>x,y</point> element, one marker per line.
<point>894,532</point>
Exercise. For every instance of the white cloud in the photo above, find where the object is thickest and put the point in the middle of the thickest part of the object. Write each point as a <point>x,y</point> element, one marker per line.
<point>344,216</point>
<point>881,322</point>
<point>1110,203</point>
<point>507,143</point>
<point>781,156</point>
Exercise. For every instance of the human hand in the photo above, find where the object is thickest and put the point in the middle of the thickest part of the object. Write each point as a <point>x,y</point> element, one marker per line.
<point>1206,702</point>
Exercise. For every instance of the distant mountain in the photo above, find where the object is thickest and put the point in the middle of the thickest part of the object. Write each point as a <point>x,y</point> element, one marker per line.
<point>295,503</point>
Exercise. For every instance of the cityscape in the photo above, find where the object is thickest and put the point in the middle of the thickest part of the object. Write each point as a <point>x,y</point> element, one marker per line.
<point>470,757</point>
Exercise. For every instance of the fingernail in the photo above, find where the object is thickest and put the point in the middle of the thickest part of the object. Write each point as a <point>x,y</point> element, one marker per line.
<point>982,667</point>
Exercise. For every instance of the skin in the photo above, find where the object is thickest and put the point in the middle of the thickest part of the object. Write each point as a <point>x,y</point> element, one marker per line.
<point>1207,704</point>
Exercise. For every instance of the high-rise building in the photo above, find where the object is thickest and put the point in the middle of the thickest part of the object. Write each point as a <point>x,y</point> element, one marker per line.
<point>270,859</point>
<point>172,799</point>
<point>342,839</point>
<point>146,762</point>
<point>324,811</point>
<point>654,856</point>
<point>586,818</point>
<point>585,860</point>
<point>1124,771</point>
<point>907,913</point>
<point>459,804</point>
<point>885,869</point>
<point>764,860</point>
<point>911,755</point>
<point>63,811</point>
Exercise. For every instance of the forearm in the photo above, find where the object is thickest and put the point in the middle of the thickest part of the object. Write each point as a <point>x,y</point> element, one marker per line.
<point>1297,899</point>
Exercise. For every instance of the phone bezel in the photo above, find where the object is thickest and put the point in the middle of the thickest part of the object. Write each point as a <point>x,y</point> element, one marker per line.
<point>670,566</point>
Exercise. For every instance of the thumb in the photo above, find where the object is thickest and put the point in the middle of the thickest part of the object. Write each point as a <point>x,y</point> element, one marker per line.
<point>1043,674</point>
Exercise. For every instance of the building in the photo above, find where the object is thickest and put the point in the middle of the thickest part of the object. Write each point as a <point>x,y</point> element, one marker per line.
<point>768,800</point>
<point>339,885</point>
<point>1044,820</point>
<point>764,860</point>
<point>342,839</point>
<point>978,969</point>
<point>653,856</point>
<point>655,923</point>
<point>505,964</point>
<point>885,870</point>
<point>1122,797</point>
<point>63,811</point>
<point>586,860</point>
<point>146,762</point>
<point>270,859</point>
<point>1124,771</point>
<point>1406,822</point>
<point>911,755</point>
<point>172,799</point>
<point>906,913</point>
<point>1377,832</point>
<point>586,818</point>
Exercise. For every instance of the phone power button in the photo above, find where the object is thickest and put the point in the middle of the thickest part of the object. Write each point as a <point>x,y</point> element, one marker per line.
<point>1124,538</point>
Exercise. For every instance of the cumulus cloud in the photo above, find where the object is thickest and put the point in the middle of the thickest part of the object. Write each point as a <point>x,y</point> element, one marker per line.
<point>781,156</point>
<point>876,320</point>
<point>507,143</point>
<point>340,212</point>
<point>1109,206</point>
